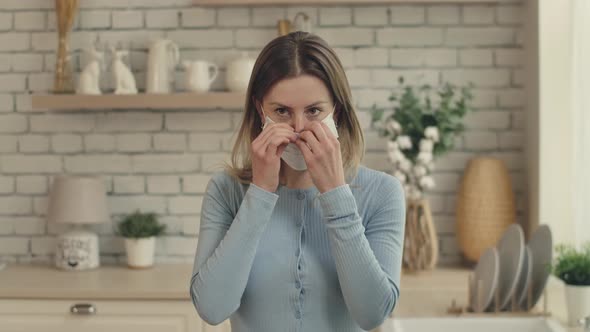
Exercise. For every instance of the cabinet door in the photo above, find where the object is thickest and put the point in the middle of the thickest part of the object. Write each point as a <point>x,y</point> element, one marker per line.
<point>109,316</point>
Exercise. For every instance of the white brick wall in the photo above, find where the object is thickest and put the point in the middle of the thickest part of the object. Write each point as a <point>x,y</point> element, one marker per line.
<point>162,161</point>
<point>127,19</point>
<point>335,16</point>
<point>30,21</point>
<point>233,17</point>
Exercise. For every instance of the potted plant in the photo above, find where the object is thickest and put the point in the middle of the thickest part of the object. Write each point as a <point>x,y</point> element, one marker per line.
<point>140,231</point>
<point>423,126</point>
<point>572,266</point>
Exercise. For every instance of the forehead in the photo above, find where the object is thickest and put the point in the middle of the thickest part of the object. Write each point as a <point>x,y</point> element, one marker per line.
<point>298,91</point>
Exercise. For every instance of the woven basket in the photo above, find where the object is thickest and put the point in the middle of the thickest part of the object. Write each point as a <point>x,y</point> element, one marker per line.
<point>485,206</point>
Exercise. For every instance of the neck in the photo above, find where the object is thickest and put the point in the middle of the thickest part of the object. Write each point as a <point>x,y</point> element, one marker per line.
<point>294,179</point>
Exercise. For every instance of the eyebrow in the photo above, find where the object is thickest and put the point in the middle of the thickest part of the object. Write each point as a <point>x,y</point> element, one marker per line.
<point>308,106</point>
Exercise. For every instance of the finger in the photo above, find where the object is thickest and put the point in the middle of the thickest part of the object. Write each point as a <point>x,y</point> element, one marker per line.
<point>319,132</point>
<point>269,132</point>
<point>311,141</point>
<point>290,135</point>
<point>265,132</point>
<point>280,150</point>
<point>305,151</point>
<point>274,145</point>
<point>328,131</point>
<point>260,143</point>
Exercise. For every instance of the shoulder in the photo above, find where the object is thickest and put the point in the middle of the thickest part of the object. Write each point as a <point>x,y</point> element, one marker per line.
<point>377,183</point>
<point>226,190</point>
<point>223,182</point>
<point>220,176</point>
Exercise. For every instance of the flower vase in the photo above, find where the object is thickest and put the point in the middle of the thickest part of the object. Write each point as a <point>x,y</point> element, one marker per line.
<point>420,240</point>
<point>65,11</point>
<point>63,80</point>
<point>485,206</point>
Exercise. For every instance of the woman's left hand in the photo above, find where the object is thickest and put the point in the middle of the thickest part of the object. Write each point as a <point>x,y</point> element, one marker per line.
<point>321,151</point>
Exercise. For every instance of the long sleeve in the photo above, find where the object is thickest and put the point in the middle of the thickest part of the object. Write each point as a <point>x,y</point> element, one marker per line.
<point>368,261</point>
<point>226,248</point>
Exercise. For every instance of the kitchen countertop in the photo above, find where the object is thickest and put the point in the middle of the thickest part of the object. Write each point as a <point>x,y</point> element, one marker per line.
<point>424,294</point>
<point>162,282</point>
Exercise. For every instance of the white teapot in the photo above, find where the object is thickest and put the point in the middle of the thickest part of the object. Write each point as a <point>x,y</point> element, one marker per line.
<point>238,73</point>
<point>199,75</point>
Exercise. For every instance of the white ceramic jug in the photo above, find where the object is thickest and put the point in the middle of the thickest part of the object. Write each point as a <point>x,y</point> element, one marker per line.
<point>238,73</point>
<point>199,75</point>
<point>162,59</point>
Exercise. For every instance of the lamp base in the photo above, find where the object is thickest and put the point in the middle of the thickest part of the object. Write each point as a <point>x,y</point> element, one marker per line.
<point>77,250</point>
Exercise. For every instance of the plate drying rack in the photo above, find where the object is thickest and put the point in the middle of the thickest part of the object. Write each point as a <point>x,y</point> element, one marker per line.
<point>475,309</point>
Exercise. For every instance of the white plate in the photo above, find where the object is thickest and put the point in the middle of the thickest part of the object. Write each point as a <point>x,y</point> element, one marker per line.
<point>486,270</point>
<point>525,278</point>
<point>541,244</point>
<point>511,251</point>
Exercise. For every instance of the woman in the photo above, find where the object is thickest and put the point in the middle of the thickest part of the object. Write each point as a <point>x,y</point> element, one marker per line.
<point>295,234</point>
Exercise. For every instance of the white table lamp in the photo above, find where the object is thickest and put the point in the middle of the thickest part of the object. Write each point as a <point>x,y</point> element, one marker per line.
<point>77,200</point>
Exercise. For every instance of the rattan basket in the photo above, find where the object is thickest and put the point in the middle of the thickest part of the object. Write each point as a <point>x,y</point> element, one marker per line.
<point>485,206</point>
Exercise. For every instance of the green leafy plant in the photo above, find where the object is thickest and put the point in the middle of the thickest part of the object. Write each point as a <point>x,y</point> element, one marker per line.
<point>415,112</point>
<point>572,266</point>
<point>140,225</point>
<point>420,129</point>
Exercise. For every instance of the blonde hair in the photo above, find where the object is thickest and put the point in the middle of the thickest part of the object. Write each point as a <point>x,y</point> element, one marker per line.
<point>289,56</point>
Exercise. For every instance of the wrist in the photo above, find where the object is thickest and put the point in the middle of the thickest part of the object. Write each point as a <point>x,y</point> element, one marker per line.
<point>265,187</point>
<point>330,187</point>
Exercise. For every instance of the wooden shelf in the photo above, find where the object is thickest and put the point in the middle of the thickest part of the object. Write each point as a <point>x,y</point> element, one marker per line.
<point>210,100</point>
<point>334,2</point>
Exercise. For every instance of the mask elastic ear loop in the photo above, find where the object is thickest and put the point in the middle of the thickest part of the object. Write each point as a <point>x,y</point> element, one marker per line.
<point>261,123</point>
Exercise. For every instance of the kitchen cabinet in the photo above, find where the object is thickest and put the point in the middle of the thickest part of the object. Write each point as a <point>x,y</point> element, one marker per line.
<point>128,316</point>
<point>113,299</point>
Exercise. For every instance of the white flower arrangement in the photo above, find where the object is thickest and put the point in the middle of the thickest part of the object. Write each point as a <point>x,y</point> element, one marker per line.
<point>416,177</point>
<point>417,133</point>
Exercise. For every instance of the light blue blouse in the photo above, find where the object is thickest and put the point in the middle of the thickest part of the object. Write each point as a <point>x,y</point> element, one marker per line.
<point>298,260</point>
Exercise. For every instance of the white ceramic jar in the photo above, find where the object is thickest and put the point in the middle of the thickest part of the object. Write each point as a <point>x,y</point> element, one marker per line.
<point>238,71</point>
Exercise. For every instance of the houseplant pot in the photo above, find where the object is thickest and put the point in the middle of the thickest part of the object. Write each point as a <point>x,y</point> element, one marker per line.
<point>140,231</point>
<point>572,266</point>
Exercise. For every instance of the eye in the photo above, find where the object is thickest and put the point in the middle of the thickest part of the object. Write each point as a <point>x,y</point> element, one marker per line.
<point>315,111</point>
<point>281,111</point>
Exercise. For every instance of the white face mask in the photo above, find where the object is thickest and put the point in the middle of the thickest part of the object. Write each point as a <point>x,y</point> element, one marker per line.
<point>292,155</point>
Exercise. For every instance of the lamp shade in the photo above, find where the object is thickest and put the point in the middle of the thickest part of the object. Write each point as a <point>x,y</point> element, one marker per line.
<point>77,200</point>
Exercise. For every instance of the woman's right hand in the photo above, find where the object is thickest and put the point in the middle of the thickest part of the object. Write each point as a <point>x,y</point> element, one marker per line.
<point>266,154</point>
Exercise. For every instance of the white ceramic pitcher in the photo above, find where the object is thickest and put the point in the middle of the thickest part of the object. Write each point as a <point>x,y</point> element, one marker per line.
<point>199,75</point>
<point>162,59</point>
<point>238,72</point>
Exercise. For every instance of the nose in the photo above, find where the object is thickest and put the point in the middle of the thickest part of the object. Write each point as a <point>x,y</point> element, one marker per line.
<point>299,121</point>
